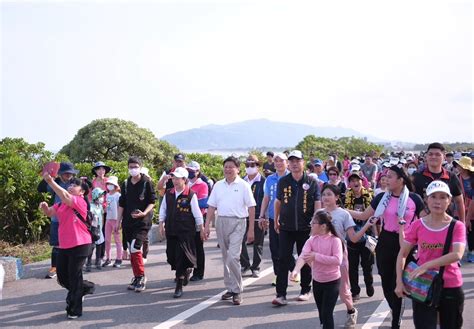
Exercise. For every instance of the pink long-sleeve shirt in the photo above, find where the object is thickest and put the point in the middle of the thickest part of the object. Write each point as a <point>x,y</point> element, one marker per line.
<point>328,258</point>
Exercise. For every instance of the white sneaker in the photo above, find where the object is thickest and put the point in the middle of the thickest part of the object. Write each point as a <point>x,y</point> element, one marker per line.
<point>303,297</point>
<point>279,301</point>
<point>352,318</point>
<point>145,260</point>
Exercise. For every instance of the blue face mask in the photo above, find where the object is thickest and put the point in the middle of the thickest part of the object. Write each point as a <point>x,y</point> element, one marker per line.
<point>191,174</point>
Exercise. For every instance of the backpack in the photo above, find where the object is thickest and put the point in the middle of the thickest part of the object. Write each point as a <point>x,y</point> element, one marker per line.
<point>91,224</point>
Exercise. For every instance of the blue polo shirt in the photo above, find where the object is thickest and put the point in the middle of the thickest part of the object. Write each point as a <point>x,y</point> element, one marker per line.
<point>270,190</point>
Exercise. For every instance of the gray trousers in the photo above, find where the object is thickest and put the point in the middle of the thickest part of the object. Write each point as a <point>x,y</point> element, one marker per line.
<point>230,233</point>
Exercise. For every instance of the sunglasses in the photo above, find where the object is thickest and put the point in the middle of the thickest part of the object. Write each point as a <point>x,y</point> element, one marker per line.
<point>251,165</point>
<point>332,174</point>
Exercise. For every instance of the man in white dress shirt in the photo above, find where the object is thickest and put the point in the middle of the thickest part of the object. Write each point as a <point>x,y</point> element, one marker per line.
<point>233,200</point>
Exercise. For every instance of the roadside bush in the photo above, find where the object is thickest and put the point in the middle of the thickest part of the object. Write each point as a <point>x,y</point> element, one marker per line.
<point>20,166</point>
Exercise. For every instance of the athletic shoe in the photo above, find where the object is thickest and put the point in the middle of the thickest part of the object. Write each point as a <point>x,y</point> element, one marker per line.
<point>117,263</point>
<point>280,301</point>
<point>274,282</point>
<point>303,297</point>
<point>133,284</point>
<point>255,273</point>
<point>51,273</point>
<point>106,263</point>
<point>196,278</point>
<point>227,296</point>
<point>244,271</point>
<point>72,316</point>
<point>88,267</point>
<point>355,297</point>
<point>297,279</point>
<point>141,284</point>
<point>237,299</point>
<point>370,290</point>
<point>352,318</point>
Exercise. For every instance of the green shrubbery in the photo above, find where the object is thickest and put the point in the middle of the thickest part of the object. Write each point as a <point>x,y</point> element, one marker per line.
<point>20,165</point>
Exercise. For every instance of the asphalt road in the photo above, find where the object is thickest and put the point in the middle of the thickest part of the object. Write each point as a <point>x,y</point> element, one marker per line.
<point>39,303</point>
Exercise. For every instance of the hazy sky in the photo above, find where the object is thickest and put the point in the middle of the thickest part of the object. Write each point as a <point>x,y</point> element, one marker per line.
<point>397,70</point>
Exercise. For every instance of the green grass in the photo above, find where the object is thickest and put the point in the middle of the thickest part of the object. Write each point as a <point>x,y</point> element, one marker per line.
<point>29,253</point>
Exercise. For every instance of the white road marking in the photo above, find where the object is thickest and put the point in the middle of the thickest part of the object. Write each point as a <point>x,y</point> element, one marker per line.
<point>378,316</point>
<point>205,304</point>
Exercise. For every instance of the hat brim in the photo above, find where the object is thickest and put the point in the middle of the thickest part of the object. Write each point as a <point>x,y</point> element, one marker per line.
<point>294,157</point>
<point>466,166</point>
<point>354,175</point>
<point>107,169</point>
<point>69,171</point>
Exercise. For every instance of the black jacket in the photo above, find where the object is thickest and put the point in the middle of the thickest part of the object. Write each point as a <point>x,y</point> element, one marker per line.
<point>297,202</point>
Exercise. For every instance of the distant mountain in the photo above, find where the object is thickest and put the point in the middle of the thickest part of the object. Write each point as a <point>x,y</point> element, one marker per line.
<point>255,133</point>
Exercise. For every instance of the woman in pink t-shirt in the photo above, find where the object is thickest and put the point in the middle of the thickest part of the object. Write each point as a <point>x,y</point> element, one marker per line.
<point>429,234</point>
<point>323,252</point>
<point>74,241</point>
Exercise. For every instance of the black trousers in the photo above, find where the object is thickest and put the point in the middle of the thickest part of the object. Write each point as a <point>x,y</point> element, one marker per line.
<point>181,252</point>
<point>274,240</point>
<point>450,311</point>
<point>386,252</point>
<point>287,242</point>
<point>325,296</point>
<point>69,271</point>
<point>257,249</point>
<point>357,252</point>
<point>200,257</point>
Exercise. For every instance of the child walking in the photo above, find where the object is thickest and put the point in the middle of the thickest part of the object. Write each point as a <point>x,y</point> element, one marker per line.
<point>324,253</point>
<point>97,210</point>
<point>111,224</point>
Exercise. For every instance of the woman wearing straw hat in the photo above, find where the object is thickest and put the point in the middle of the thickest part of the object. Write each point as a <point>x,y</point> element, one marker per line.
<point>466,178</point>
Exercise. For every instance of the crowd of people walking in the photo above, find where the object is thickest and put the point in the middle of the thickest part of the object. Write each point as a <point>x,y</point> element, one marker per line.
<point>323,218</point>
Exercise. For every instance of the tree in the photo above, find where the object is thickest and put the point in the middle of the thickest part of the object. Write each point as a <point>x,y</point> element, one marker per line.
<point>116,140</point>
<point>320,147</point>
<point>20,167</point>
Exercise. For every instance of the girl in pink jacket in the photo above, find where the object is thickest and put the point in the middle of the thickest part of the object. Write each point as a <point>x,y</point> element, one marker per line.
<point>323,252</point>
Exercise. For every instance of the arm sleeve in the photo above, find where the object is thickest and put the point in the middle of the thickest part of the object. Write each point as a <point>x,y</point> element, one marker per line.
<point>151,193</point>
<point>307,246</point>
<point>42,187</point>
<point>375,201</point>
<point>335,258</point>
<point>249,200</point>
<point>317,192</point>
<point>419,204</point>
<point>212,201</point>
<point>266,188</point>
<point>459,233</point>
<point>122,201</point>
<point>195,210</point>
<point>349,221</point>
<point>162,214</point>
<point>279,194</point>
<point>411,234</point>
<point>455,185</point>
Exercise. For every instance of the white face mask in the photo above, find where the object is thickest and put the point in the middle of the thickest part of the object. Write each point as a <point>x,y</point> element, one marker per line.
<point>100,200</point>
<point>411,171</point>
<point>251,170</point>
<point>134,172</point>
<point>110,187</point>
